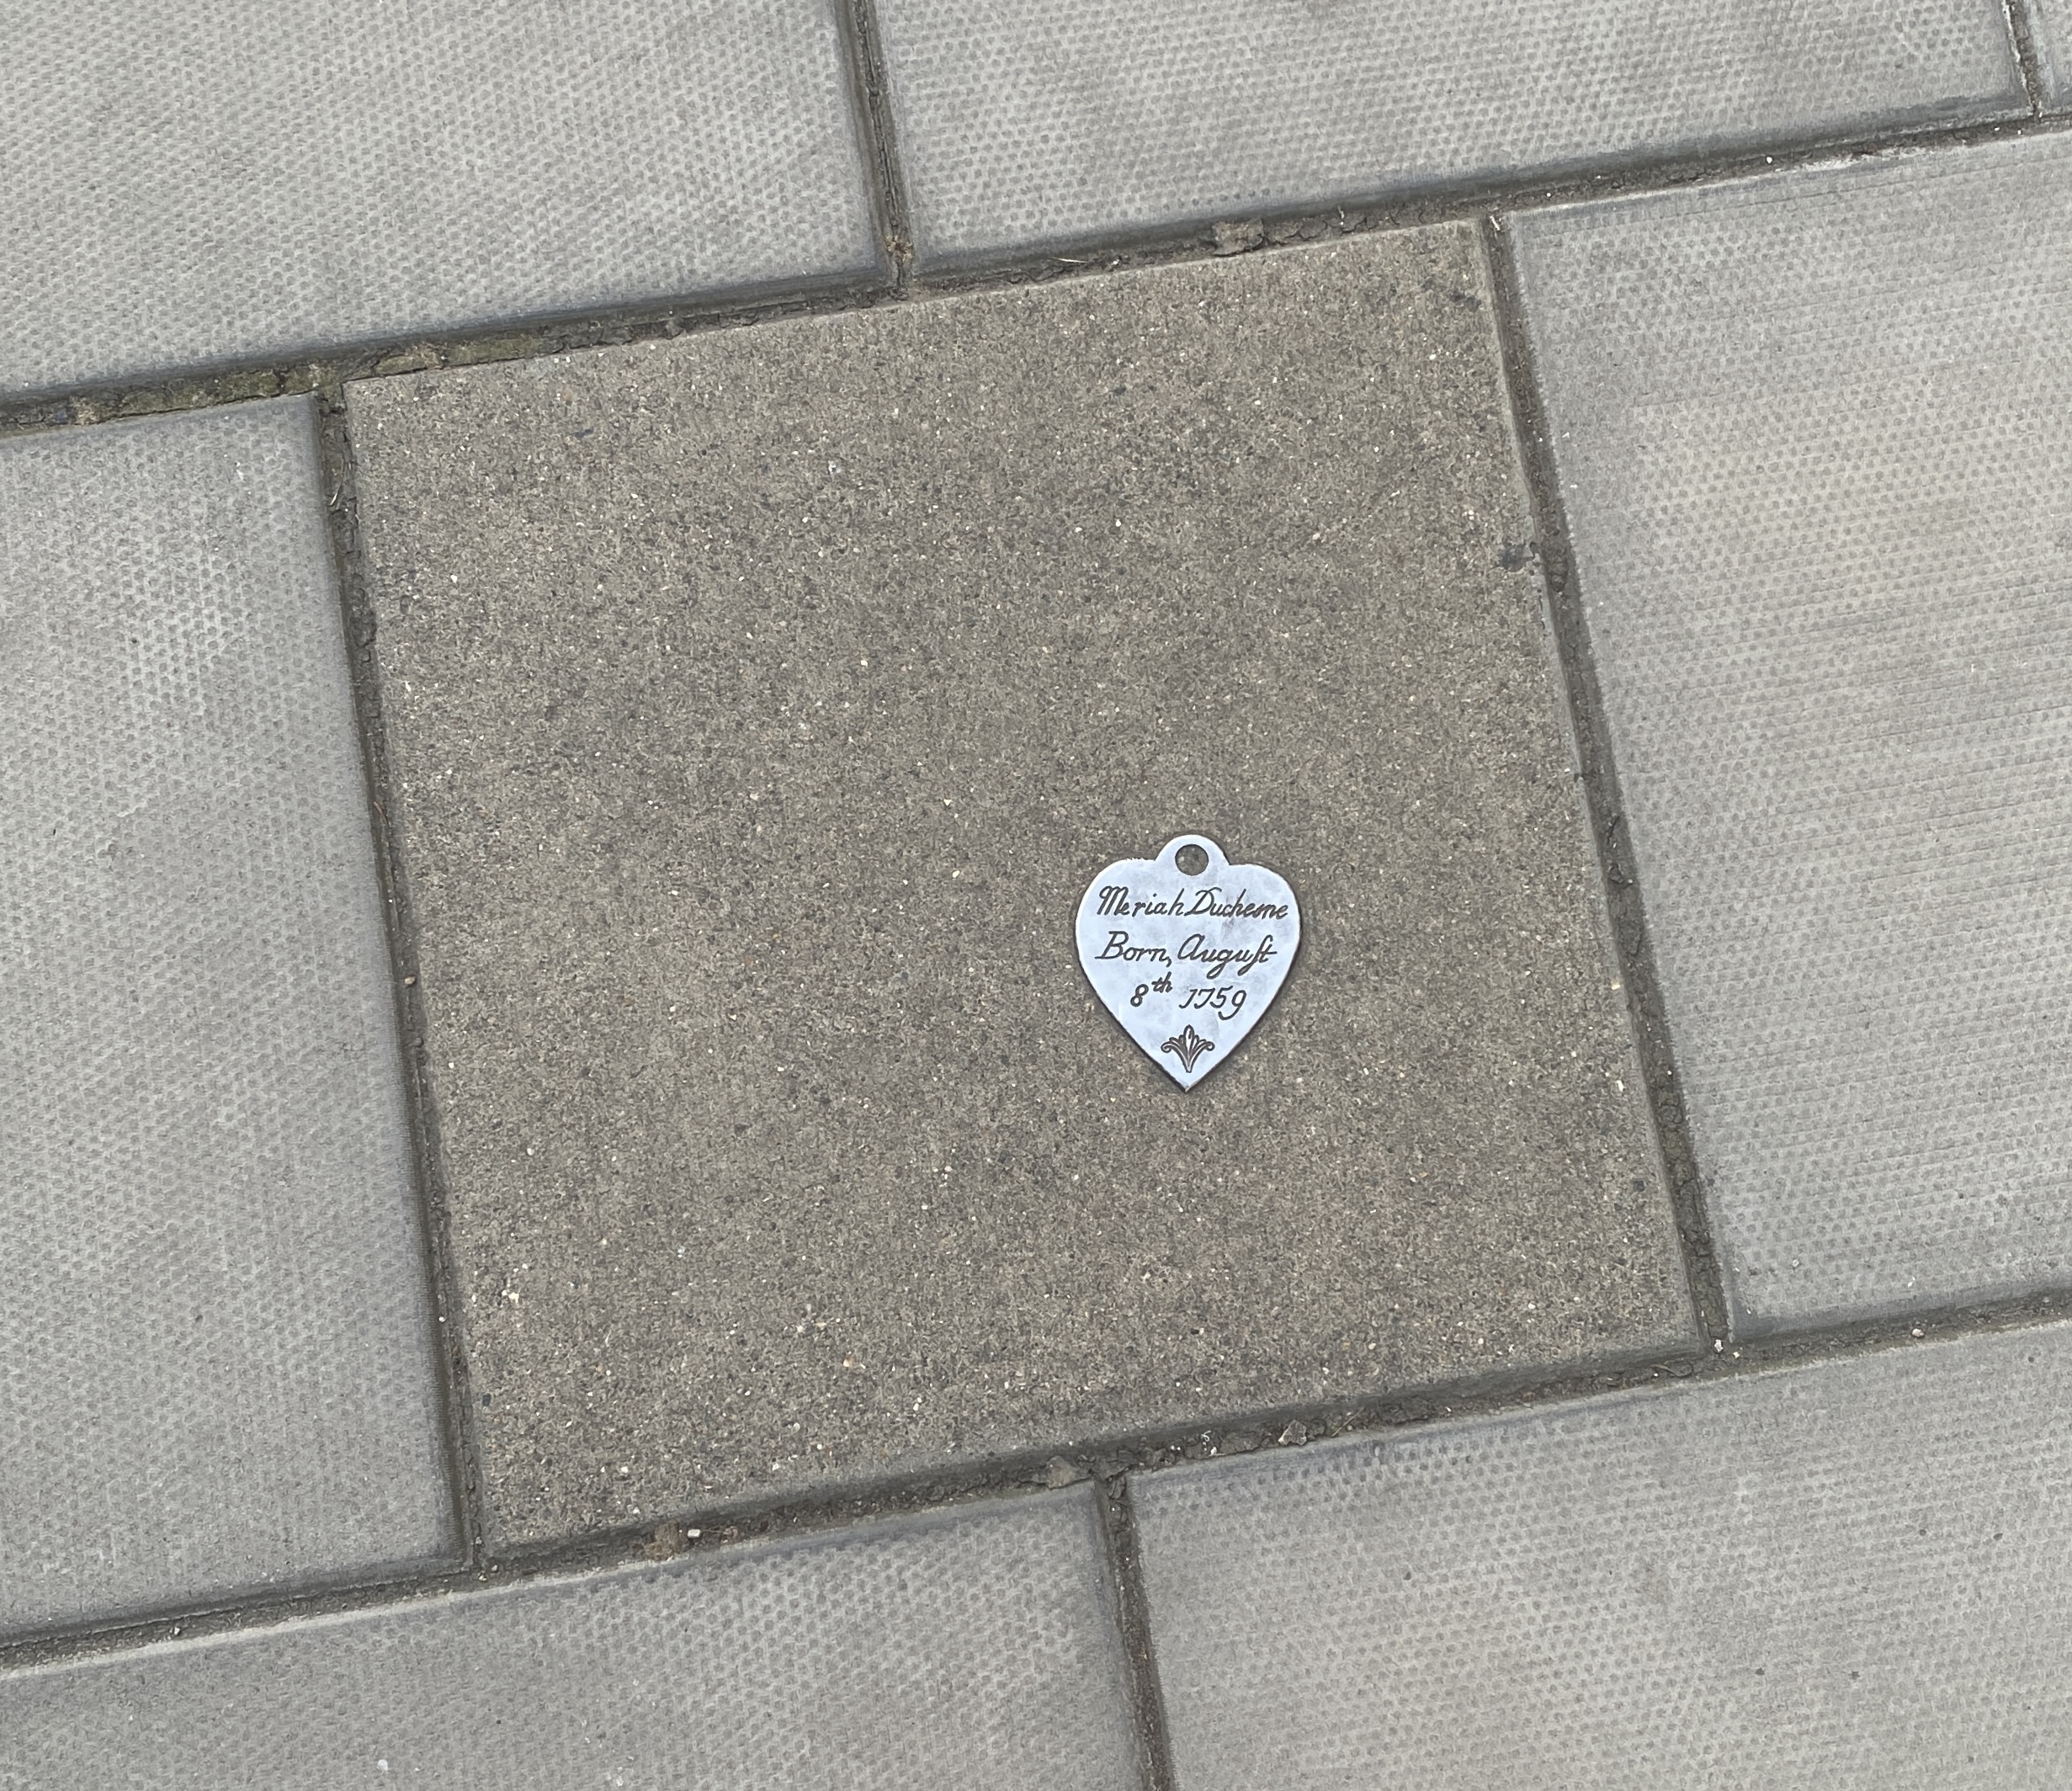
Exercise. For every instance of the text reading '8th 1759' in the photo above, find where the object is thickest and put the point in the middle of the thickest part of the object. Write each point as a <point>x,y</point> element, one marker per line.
<point>1187,950</point>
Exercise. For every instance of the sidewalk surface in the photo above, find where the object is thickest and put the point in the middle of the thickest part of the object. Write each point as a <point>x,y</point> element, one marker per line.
<point>582,593</point>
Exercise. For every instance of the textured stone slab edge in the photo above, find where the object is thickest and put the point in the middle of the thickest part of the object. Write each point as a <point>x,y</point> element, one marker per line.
<point>2050,42</point>
<point>979,1640</point>
<point>1064,127</point>
<point>1721,1583</point>
<point>225,1382</point>
<point>1660,316</point>
<point>285,181</point>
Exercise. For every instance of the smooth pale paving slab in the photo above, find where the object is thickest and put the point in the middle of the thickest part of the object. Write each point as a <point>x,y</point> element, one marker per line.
<point>1815,439</point>
<point>759,707</point>
<point>964,1648</point>
<point>216,1371</point>
<point>1853,1575</point>
<point>1058,120</point>
<point>2050,32</point>
<point>1186,950</point>
<point>199,182</point>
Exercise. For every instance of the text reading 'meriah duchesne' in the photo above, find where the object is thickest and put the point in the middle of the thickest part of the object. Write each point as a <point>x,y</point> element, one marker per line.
<point>1186,950</point>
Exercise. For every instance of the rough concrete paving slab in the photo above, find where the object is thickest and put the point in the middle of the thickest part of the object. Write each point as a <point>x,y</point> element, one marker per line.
<point>758,707</point>
<point>970,1647</point>
<point>1851,1575</point>
<point>1813,435</point>
<point>211,181</point>
<point>1062,120</point>
<point>216,1375</point>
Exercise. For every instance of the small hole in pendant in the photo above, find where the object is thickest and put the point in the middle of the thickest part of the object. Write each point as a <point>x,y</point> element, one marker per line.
<point>1191,861</point>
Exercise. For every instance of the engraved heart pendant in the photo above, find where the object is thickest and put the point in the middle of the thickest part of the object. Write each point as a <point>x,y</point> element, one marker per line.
<point>1186,950</point>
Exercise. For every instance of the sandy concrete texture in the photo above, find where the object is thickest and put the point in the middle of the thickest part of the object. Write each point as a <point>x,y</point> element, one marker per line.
<point>757,706</point>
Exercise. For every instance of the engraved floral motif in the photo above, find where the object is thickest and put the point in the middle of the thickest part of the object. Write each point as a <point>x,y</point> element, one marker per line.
<point>1187,959</point>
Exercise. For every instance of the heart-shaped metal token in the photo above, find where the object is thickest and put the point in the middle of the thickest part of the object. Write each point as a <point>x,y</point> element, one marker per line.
<point>1187,950</point>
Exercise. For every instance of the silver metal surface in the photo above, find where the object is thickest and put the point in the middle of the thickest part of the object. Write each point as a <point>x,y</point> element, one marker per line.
<point>1187,950</point>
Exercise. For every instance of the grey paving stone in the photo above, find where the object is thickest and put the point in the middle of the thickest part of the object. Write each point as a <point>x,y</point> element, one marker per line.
<point>206,181</point>
<point>1812,434</point>
<point>759,706</point>
<point>2050,32</point>
<point>974,1647</point>
<point>216,1375</point>
<point>1065,119</point>
<point>1849,1575</point>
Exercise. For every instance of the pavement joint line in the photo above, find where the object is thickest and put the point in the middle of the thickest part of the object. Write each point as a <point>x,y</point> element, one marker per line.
<point>1590,742</point>
<point>243,381</point>
<point>518,1467</point>
<point>529,339</point>
<point>1011,1475</point>
<point>665,1536</point>
<point>1133,1621</point>
<point>337,473</point>
<point>862,45</point>
<point>2022,31</point>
